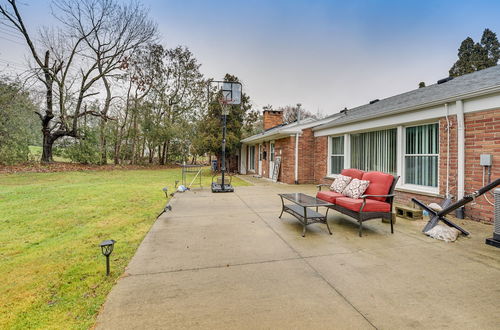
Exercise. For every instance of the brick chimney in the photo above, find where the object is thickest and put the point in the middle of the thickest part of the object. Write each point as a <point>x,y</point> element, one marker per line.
<point>272,118</point>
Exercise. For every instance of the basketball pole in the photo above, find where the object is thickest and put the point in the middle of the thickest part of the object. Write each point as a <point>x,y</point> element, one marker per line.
<point>230,93</point>
<point>223,158</point>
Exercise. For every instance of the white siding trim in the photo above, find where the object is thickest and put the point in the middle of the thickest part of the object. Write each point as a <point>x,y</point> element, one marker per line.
<point>328,162</point>
<point>347,151</point>
<point>243,159</point>
<point>400,145</point>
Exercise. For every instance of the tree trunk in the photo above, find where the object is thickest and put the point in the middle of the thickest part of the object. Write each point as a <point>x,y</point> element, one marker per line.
<point>47,147</point>
<point>104,153</point>
<point>143,148</point>
<point>134,139</point>
<point>151,153</point>
<point>116,148</point>
<point>164,154</point>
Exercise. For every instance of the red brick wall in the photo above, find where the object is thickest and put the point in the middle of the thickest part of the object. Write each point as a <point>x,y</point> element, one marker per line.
<point>443,161</point>
<point>309,158</point>
<point>306,157</point>
<point>285,148</point>
<point>321,159</point>
<point>272,118</point>
<point>265,161</point>
<point>482,136</point>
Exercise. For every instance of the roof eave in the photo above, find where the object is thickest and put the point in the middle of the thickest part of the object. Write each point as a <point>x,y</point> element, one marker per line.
<point>421,106</point>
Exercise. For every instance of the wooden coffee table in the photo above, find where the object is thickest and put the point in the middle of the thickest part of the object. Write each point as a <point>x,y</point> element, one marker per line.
<point>300,209</point>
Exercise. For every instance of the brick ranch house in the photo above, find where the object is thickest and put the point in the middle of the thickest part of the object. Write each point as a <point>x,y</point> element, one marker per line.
<point>279,140</point>
<point>431,137</point>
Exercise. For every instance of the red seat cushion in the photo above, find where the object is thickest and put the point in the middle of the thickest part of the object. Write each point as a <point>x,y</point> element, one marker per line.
<point>380,184</point>
<point>353,173</point>
<point>370,206</point>
<point>328,196</point>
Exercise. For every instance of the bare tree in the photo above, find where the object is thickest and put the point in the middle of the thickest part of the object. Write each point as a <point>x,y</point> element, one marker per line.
<point>76,62</point>
<point>291,113</point>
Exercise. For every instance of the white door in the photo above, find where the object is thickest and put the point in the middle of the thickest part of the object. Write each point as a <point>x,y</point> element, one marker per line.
<point>271,159</point>
<point>260,160</point>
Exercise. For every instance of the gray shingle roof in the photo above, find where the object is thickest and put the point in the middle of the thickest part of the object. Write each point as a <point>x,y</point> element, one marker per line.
<point>463,85</point>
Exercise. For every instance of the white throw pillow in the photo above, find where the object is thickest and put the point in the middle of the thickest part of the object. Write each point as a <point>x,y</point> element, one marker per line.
<point>340,183</point>
<point>356,188</point>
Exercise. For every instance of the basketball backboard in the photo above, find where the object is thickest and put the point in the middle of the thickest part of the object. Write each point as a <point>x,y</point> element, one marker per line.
<point>230,91</point>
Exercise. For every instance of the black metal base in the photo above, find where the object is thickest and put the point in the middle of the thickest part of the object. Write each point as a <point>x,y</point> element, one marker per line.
<point>493,242</point>
<point>218,188</point>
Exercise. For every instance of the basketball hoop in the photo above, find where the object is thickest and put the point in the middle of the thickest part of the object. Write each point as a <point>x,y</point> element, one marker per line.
<point>229,93</point>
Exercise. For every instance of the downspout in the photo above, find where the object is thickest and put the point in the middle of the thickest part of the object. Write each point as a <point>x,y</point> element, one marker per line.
<point>297,146</point>
<point>460,156</point>
<point>447,152</point>
<point>297,158</point>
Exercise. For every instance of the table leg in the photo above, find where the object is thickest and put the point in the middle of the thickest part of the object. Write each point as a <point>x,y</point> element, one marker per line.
<point>282,207</point>
<point>326,220</point>
<point>304,223</point>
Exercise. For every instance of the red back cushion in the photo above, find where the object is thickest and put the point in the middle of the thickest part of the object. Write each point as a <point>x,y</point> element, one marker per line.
<point>380,184</point>
<point>353,173</point>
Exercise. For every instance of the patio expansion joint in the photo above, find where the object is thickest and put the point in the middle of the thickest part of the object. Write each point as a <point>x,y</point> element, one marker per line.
<point>214,267</point>
<point>306,261</point>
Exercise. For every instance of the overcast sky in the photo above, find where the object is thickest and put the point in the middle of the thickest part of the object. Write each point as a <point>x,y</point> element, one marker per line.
<point>326,55</point>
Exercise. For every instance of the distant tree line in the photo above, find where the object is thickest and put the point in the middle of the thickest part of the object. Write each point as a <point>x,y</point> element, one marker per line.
<point>111,92</point>
<point>18,123</point>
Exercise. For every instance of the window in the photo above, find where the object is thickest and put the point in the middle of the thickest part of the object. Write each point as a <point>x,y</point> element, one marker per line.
<point>422,155</point>
<point>271,152</point>
<point>251,158</point>
<point>374,151</point>
<point>336,154</point>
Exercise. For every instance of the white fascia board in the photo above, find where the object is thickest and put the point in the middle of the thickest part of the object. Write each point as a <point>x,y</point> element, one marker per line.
<point>482,103</point>
<point>316,123</point>
<point>259,139</point>
<point>413,117</point>
<point>486,93</point>
<point>284,131</point>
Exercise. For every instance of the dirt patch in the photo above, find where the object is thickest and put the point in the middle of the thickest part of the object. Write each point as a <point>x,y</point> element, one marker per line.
<point>68,167</point>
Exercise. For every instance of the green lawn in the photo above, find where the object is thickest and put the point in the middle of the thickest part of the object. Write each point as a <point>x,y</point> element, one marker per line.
<point>52,271</point>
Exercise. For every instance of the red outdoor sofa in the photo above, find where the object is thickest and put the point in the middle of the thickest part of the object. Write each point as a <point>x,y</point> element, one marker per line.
<point>375,203</point>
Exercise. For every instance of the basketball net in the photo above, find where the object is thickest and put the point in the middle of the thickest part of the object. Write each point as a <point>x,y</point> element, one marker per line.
<point>224,104</point>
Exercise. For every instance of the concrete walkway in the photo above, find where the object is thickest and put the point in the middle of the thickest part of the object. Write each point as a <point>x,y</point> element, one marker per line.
<point>225,261</point>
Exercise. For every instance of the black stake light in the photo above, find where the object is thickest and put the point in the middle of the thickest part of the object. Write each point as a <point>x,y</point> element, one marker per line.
<point>107,249</point>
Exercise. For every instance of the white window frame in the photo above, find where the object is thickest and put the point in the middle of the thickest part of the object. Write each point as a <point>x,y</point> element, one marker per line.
<point>402,158</point>
<point>330,155</point>
<point>251,162</point>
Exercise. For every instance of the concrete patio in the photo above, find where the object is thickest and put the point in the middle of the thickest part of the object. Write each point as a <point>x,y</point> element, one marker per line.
<point>226,261</point>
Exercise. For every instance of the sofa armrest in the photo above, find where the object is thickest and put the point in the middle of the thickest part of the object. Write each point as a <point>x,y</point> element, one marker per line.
<point>322,185</point>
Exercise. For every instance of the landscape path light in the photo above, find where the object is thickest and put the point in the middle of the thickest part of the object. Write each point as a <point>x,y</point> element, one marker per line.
<point>106,249</point>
